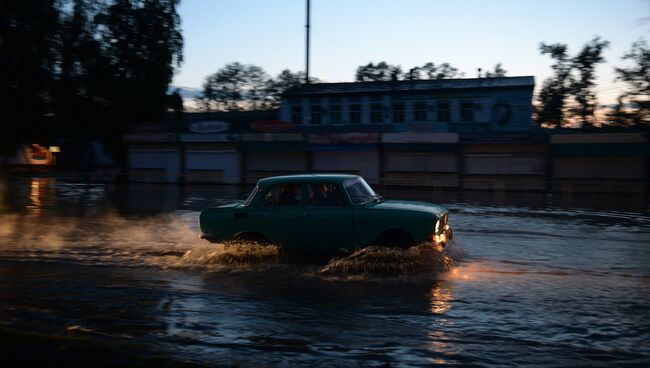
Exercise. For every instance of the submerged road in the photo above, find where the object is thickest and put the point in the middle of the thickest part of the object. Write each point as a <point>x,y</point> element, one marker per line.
<point>90,276</point>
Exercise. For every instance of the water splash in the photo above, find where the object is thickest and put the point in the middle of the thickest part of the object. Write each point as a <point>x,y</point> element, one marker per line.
<point>172,241</point>
<point>385,261</point>
<point>233,254</point>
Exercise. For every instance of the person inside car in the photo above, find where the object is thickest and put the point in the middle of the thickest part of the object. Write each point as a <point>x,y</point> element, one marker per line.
<point>290,196</point>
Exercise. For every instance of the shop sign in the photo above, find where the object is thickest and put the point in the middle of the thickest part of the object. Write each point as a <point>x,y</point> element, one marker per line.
<point>271,126</point>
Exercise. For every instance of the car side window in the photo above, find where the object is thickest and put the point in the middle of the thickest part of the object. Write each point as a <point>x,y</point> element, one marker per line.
<point>324,194</point>
<point>282,195</point>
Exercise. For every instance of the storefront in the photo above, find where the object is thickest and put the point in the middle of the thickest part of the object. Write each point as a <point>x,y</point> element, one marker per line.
<point>420,159</point>
<point>271,154</point>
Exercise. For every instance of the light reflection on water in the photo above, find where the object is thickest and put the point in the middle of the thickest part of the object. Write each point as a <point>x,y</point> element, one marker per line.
<point>531,285</point>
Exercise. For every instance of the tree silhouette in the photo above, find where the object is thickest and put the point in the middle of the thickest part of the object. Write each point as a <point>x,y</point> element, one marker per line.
<point>235,87</point>
<point>573,77</point>
<point>81,69</point>
<point>497,72</point>
<point>634,104</point>
<point>282,82</point>
<point>27,38</point>
<point>442,71</point>
<point>555,90</point>
<point>381,71</point>
<point>238,86</point>
<point>582,86</point>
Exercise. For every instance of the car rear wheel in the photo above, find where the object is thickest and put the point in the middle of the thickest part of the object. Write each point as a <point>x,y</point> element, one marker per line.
<point>395,238</point>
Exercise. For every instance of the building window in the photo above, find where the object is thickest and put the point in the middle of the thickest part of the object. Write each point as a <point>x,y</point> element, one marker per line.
<point>296,114</point>
<point>467,111</point>
<point>335,114</point>
<point>376,113</point>
<point>443,111</point>
<point>398,112</point>
<point>420,111</point>
<point>355,113</point>
<point>315,114</point>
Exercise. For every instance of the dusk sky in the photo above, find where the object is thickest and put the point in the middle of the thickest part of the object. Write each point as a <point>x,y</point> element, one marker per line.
<point>347,33</point>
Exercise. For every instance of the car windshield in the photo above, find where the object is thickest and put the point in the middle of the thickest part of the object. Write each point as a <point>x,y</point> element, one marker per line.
<point>359,191</point>
<point>250,197</point>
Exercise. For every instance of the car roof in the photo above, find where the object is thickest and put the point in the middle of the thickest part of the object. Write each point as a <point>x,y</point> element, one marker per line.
<point>305,178</point>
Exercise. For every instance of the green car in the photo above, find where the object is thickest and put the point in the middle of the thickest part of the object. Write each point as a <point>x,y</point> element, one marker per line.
<point>325,212</point>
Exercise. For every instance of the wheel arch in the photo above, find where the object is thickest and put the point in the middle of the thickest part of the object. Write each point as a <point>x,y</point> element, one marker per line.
<point>401,237</point>
<point>251,235</point>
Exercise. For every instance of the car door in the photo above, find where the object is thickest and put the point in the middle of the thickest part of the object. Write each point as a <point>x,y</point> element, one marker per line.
<point>328,218</point>
<point>278,214</point>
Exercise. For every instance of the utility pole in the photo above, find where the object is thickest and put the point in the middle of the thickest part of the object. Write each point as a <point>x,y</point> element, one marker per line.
<point>307,51</point>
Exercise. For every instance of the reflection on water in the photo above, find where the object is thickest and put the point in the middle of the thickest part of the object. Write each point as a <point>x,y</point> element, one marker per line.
<point>122,268</point>
<point>38,193</point>
<point>440,299</point>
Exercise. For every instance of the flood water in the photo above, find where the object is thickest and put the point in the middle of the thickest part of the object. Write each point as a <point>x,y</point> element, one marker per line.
<point>115,274</point>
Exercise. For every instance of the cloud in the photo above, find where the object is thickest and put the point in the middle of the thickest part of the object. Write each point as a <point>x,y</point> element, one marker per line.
<point>643,21</point>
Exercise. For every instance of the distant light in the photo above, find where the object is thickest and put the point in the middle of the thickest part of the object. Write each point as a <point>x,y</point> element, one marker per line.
<point>55,149</point>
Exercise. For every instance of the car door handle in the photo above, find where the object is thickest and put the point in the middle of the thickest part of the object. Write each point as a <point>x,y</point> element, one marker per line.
<point>261,214</point>
<point>308,214</point>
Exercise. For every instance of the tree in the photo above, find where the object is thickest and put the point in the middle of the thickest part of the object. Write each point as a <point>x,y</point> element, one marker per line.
<point>497,72</point>
<point>235,87</point>
<point>281,83</point>
<point>238,86</point>
<point>582,86</point>
<point>442,71</point>
<point>27,39</point>
<point>386,72</point>
<point>573,78</point>
<point>174,102</point>
<point>79,69</point>
<point>141,46</point>
<point>379,72</point>
<point>555,89</point>
<point>634,103</point>
<point>75,90</point>
<point>413,74</point>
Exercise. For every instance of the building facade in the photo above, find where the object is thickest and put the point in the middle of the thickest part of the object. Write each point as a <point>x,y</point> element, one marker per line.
<point>458,105</point>
<point>473,134</point>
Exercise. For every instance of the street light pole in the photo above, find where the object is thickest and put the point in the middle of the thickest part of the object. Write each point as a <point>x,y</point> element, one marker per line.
<point>307,51</point>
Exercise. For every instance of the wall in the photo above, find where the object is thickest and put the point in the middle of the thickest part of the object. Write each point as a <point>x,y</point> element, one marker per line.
<point>583,163</point>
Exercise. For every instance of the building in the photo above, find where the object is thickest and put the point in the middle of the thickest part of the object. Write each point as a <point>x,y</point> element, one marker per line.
<point>473,134</point>
<point>458,105</point>
<point>412,130</point>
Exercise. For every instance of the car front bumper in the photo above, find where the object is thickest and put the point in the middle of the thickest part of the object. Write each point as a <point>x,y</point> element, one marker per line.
<point>442,238</point>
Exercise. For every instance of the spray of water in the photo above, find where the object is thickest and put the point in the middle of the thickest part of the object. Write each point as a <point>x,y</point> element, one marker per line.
<point>233,254</point>
<point>172,241</point>
<point>376,260</point>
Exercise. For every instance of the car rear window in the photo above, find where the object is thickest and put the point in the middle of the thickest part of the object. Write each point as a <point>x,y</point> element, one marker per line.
<point>324,194</point>
<point>282,195</point>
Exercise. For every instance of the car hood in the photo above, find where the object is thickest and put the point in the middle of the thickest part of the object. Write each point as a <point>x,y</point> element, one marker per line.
<point>414,206</point>
<point>231,205</point>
